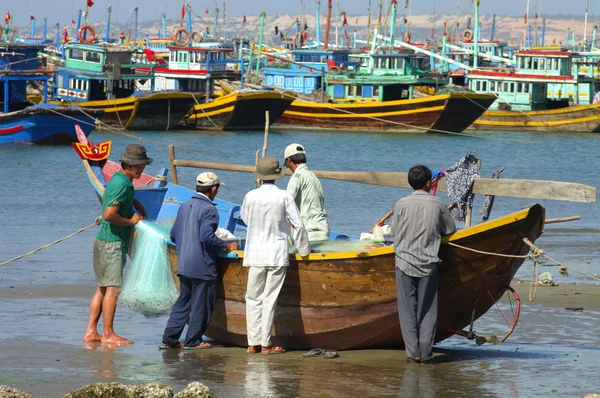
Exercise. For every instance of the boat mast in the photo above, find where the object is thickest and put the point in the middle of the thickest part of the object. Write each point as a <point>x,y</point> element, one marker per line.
<point>476,35</point>
<point>393,25</point>
<point>318,24</point>
<point>263,15</point>
<point>329,5</point>
<point>216,21</point>
<point>107,34</point>
<point>224,24</point>
<point>369,25</point>
<point>380,10</point>
<point>525,28</point>
<point>585,23</point>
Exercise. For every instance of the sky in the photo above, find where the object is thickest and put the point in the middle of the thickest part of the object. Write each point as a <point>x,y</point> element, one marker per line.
<point>62,11</point>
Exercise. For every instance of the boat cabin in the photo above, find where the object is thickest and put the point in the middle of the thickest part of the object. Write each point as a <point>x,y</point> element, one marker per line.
<point>305,74</point>
<point>194,68</point>
<point>19,68</point>
<point>541,80</point>
<point>389,77</point>
<point>96,72</point>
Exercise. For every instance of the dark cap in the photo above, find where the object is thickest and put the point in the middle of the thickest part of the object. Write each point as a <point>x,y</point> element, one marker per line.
<point>135,154</point>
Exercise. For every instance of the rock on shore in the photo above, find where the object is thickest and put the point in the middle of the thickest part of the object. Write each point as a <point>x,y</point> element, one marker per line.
<point>111,390</point>
<point>11,392</point>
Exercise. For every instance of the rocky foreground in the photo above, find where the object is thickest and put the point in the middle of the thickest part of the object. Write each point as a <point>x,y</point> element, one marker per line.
<point>110,390</point>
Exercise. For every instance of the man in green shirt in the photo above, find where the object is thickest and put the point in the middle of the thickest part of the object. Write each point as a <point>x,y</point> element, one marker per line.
<point>307,191</point>
<point>110,247</point>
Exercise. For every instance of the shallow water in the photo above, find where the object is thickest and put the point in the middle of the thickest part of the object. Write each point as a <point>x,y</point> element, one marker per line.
<point>45,195</point>
<point>553,352</point>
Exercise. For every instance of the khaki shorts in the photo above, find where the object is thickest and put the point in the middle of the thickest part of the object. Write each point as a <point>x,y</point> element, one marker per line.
<point>109,261</point>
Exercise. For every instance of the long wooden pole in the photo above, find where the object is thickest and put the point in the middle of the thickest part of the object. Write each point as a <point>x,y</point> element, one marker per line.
<point>326,42</point>
<point>173,166</point>
<point>516,188</point>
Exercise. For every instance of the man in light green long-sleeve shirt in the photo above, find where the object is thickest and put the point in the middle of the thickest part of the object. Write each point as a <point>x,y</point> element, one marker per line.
<point>307,191</point>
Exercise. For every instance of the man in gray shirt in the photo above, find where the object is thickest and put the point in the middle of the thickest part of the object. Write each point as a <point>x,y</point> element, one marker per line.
<point>418,224</point>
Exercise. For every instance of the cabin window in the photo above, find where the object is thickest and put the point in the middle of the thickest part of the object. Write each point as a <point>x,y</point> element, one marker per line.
<point>492,86</point>
<point>338,91</point>
<point>484,86</point>
<point>75,54</point>
<point>526,88</point>
<point>359,91</point>
<point>92,57</point>
<point>512,87</point>
<point>555,64</point>
<point>542,64</point>
<point>535,63</point>
<point>527,63</point>
<point>548,64</point>
<point>185,57</point>
<point>478,85</point>
<point>376,90</point>
<point>351,91</point>
<point>519,87</point>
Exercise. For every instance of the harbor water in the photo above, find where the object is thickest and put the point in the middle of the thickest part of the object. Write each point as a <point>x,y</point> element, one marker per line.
<point>45,195</point>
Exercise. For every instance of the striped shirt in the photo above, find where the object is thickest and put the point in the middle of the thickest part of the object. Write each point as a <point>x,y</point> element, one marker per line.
<point>419,222</point>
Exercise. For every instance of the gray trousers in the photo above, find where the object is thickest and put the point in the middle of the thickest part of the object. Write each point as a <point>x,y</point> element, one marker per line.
<point>417,310</point>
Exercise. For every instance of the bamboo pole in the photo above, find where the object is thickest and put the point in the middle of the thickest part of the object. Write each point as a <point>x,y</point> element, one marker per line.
<point>266,139</point>
<point>173,164</point>
<point>562,219</point>
<point>516,188</point>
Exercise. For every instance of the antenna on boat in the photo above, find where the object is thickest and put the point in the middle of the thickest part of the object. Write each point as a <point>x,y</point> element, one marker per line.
<point>585,23</point>
<point>369,25</point>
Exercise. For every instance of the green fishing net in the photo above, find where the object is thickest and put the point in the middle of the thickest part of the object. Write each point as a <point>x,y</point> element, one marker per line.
<point>149,287</point>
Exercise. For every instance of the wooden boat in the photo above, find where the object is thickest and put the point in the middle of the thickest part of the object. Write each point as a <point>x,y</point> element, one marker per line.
<point>196,67</point>
<point>101,76</point>
<point>238,110</point>
<point>347,299</point>
<point>381,92</point>
<point>39,124</point>
<point>545,93</point>
<point>452,112</point>
<point>45,124</point>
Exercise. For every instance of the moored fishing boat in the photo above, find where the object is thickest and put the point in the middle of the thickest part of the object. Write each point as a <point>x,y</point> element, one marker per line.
<point>544,93</point>
<point>101,76</point>
<point>381,96</point>
<point>39,124</point>
<point>45,124</point>
<point>343,295</point>
<point>195,68</point>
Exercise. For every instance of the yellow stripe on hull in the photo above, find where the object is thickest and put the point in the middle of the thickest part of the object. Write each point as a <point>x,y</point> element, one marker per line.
<point>199,114</point>
<point>358,115</point>
<point>463,233</point>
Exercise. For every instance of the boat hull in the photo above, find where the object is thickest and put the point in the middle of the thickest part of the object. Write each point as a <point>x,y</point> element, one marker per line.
<point>348,300</point>
<point>583,118</point>
<point>45,125</point>
<point>239,111</point>
<point>154,111</point>
<point>445,113</point>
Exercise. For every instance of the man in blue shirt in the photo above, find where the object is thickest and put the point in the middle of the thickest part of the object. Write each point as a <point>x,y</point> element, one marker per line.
<point>197,247</point>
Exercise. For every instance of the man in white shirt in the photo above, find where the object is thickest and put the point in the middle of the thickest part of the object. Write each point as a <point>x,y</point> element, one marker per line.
<point>307,191</point>
<point>269,213</point>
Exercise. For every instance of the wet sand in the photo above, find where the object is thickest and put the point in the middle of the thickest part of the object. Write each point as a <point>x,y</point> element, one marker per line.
<point>553,352</point>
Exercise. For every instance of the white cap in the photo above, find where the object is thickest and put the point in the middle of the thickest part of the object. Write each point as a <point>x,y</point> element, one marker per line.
<point>208,179</point>
<point>293,149</point>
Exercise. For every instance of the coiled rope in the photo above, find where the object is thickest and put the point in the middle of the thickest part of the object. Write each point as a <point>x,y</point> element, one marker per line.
<point>98,221</point>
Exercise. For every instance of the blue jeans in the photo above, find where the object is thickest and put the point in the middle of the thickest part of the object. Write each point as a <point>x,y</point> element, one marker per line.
<point>196,297</point>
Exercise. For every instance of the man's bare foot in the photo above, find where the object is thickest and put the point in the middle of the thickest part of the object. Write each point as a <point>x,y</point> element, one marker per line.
<point>92,335</point>
<point>115,339</point>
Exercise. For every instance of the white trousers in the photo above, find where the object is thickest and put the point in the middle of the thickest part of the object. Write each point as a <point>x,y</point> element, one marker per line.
<point>264,285</point>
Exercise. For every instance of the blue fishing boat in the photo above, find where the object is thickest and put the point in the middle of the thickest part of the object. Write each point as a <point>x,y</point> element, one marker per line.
<point>20,122</point>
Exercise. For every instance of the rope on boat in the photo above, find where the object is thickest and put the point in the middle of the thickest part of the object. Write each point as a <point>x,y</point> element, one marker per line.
<point>98,221</point>
<point>427,128</point>
<point>535,254</point>
<point>206,114</point>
